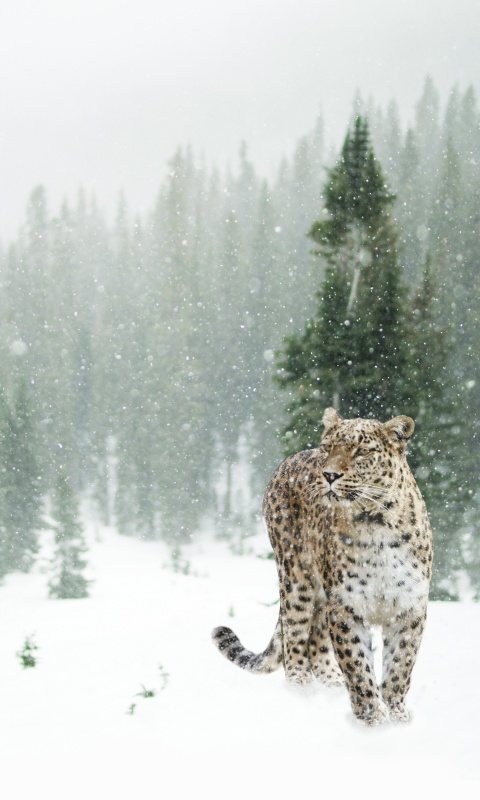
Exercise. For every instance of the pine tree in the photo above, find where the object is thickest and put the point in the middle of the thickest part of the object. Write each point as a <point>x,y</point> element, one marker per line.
<point>353,353</point>
<point>427,128</point>
<point>437,455</point>
<point>21,485</point>
<point>369,354</point>
<point>410,210</point>
<point>67,581</point>
<point>5,562</point>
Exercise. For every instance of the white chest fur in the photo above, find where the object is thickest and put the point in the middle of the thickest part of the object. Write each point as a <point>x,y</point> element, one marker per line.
<point>387,583</point>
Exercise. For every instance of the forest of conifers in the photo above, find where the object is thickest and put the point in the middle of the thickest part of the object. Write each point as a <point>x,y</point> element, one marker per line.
<point>138,358</point>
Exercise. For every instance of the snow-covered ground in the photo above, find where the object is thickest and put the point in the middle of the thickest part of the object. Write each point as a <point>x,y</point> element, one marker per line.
<point>211,730</point>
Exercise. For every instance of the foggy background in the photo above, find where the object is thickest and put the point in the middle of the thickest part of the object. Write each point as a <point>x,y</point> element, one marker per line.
<point>148,390</point>
<point>99,93</point>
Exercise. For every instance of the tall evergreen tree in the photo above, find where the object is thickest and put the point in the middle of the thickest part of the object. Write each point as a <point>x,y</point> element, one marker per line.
<point>353,353</point>
<point>369,354</point>
<point>438,456</point>
<point>5,561</point>
<point>410,209</point>
<point>68,581</point>
<point>21,484</point>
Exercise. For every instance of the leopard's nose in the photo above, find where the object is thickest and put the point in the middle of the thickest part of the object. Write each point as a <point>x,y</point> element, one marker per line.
<point>330,477</point>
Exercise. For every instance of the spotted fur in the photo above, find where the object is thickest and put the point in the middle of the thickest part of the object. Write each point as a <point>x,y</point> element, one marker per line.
<point>353,548</point>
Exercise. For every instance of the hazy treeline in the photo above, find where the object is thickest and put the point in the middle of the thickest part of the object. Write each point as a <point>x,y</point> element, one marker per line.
<point>138,356</point>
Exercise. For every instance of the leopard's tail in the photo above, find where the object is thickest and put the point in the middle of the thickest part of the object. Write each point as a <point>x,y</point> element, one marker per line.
<point>230,645</point>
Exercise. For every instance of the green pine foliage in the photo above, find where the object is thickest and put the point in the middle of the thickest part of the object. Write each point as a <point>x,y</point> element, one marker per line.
<point>68,581</point>
<point>440,461</point>
<point>353,353</point>
<point>21,504</point>
<point>28,654</point>
<point>369,353</point>
<point>147,694</point>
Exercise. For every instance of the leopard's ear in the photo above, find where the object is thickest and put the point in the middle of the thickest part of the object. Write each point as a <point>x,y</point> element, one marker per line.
<point>399,428</point>
<point>330,418</point>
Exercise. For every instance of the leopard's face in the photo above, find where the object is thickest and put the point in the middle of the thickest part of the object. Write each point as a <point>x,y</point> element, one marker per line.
<point>360,461</point>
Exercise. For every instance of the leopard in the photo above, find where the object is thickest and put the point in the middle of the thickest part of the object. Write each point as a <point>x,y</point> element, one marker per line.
<point>353,549</point>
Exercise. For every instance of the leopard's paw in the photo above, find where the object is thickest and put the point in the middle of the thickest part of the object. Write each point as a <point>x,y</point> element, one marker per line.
<point>329,676</point>
<point>297,678</point>
<point>400,714</point>
<point>376,716</point>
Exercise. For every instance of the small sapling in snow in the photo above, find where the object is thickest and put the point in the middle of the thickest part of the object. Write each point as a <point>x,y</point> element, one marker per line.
<point>27,655</point>
<point>164,676</point>
<point>148,693</point>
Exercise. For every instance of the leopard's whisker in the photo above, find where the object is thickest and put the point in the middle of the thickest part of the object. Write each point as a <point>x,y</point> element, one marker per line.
<point>376,489</point>
<point>386,511</point>
<point>360,502</point>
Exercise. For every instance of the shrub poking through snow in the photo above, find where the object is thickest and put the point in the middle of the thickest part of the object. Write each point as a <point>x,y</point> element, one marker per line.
<point>27,655</point>
<point>148,693</point>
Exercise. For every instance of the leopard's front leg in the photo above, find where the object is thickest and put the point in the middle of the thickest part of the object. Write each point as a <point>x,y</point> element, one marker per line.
<point>321,654</point>
<point>401,641</point>
<point>352,644</point>
<point>297,601</point>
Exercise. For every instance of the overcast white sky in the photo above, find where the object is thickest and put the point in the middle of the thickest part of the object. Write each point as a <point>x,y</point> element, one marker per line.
<point>99,93</point>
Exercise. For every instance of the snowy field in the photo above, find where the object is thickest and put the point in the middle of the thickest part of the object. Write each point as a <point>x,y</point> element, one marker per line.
<point>211,730</point>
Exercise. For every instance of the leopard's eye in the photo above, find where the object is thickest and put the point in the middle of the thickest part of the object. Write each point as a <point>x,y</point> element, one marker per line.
<point>365,451</point>
<point>324,448</point>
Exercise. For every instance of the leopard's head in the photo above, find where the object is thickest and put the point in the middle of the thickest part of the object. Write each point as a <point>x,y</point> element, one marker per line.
<point>362,458</point>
